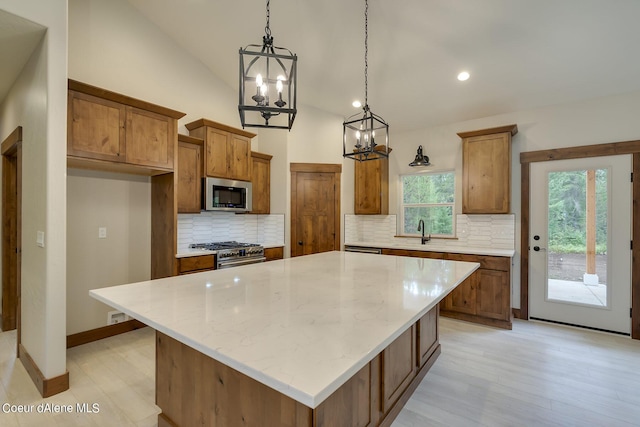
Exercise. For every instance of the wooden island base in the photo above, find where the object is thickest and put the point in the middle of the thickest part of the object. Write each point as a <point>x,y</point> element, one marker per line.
<point>194,389</point>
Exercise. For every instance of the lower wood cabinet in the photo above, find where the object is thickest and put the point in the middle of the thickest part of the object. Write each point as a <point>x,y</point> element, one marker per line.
<point>272,254</point>
<point>196,264</point>
<point>484,297</point>
<point>372,397</point>
<point>398,367</point>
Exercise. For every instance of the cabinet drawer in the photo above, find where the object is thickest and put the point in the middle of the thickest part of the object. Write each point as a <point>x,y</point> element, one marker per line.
<point>274,253</point>
<point>486,261</point>
<point>196,263</point>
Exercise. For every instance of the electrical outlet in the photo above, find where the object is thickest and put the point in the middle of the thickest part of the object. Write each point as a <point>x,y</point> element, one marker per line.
<point>114,317</point>
<point>102,232</point>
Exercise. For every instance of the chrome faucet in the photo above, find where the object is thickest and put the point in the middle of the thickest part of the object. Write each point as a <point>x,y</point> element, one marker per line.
<point>421,228</point>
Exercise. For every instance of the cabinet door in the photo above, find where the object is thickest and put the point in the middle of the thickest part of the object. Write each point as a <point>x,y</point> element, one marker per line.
<point>96,128</point>
<point>427,335</point>
<point>274,253</point>
<point>463,298</point>
<point>371,193</point>
<point>196,264</point>
<point>151,138</point>
<point>493,294</point>
<point>261,183</point>
<point>239,158</point>
<point>216,153</point>
<point>189,177</point>
<point>398,367</point>
<point>486,174</point>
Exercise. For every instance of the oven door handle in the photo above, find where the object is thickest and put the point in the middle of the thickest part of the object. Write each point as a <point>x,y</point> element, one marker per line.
<point>225,264</point>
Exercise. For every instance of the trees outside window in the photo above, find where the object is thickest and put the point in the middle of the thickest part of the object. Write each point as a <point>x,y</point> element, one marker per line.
<point>428,197</point>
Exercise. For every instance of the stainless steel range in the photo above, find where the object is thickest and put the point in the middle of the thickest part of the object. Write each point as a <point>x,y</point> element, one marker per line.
<point>233,254</point>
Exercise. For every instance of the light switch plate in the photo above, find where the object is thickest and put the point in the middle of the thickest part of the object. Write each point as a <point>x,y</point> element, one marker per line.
<point>102,232</point>
<point>40,238</point>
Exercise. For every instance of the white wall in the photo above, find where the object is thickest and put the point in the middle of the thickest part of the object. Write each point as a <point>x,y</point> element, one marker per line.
<point>603,120</point>
<point>37,102</point>
<point>120,203</point>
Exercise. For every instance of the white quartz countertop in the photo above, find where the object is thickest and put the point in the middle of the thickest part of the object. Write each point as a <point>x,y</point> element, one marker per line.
<point>435,246</point>
<point>303,325</point>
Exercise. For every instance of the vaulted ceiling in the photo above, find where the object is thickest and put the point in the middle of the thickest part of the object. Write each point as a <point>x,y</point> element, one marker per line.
<point>18,38</point>
<point>521,53</point>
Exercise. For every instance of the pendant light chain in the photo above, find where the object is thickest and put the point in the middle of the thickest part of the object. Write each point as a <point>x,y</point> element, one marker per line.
<point>267,29</point>
<point>366,54</point>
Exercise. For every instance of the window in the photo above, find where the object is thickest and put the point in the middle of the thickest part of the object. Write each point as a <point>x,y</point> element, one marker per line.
<point>430,197</point>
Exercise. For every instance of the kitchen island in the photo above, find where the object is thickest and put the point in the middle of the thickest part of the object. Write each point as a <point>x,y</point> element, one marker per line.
<point>320,340</point>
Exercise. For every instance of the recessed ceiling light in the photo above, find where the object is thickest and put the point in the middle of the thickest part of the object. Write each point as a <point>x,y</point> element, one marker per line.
<point>463,76</point>
<point>356,104</point>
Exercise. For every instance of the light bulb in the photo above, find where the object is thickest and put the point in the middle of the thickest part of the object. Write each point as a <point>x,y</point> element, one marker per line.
<point>279,86</point>
<point>263,89</point>
<point>281,77</point>
<point>463,76</point>
<point>356,104</point>
<point>259,80</point>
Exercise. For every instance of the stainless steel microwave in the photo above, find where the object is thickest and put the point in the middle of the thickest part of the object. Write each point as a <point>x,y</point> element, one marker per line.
<point>226,195</point>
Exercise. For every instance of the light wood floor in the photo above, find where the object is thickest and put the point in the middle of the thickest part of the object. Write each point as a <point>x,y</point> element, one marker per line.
<point>535,375</point>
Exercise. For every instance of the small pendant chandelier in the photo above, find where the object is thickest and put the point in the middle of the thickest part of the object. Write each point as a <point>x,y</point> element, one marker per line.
<point>270,73</point>
<point>365,135</point>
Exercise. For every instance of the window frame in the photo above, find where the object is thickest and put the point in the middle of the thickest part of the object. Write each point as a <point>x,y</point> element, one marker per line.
<point>402,205</point>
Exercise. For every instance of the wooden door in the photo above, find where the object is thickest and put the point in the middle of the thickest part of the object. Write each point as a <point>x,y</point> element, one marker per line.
<point>486,175</point>
<point>11,230</point>
<point>151,138</point>
<point>463,298</point>
<point>371,192</point>
<point>398,367</point>
<point>189,175</point>
<point>493,294</point>
<point>261,183</point>
<point>96,127</point>
<point>315,205</point>
<point>239,157</point>
<point>216,153</point>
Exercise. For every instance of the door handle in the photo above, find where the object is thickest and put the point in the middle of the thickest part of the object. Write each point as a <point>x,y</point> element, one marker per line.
<point>300,242</point>
<point>538,248</point>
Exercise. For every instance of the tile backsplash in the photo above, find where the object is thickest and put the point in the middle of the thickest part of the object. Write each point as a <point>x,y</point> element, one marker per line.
<point>221,226</point>
<point>494,231</point>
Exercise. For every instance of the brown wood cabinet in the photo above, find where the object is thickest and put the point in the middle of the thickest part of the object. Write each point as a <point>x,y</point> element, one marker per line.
<point>196,264</point>
<point>189,172</point>
<point>371,193</point>
<point>484,297</point>
<point>372,397</point>
<point>261,182</point>
<point>227,150</point>
<point>110,127</point>
<point>486,170</point>
<point>114,132</point>
<point>274,253</point>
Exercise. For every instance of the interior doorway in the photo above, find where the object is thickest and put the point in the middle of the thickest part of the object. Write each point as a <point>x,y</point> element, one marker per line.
<point>11,229</point>
<point>315,208</point>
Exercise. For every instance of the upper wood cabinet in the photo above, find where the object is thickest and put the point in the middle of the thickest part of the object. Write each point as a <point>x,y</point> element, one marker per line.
<point>486,170</point>
<point>371,193</point>
<point>107,126</point>
<point>227,150</point>
<point>261,182</point>
<point>189,174</point>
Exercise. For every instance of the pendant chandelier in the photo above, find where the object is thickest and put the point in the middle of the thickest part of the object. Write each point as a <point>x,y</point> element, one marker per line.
<point>266,73</point>
<point>365,135</point>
